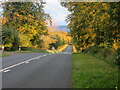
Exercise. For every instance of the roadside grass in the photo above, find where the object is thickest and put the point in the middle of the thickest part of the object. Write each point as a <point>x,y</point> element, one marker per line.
<point>90,72</point>
<point>21,51</point>
<point>60,49</point>
<point>32,51</point>
<point>3,55</point>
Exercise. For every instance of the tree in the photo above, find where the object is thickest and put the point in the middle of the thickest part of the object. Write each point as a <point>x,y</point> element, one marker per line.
<point>28,18</point>
<point>10,38</point>
<point>93,24</point>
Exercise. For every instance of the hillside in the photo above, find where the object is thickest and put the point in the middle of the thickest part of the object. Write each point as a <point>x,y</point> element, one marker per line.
<point>63,28</point>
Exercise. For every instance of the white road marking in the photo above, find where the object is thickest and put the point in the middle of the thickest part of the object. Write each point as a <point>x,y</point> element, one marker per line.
<point>37,57</point>
<point>6,70</point>
<point>27,61</point>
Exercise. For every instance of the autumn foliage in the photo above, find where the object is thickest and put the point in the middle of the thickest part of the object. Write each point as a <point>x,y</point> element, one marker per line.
<point>30,22</point>
<point>94,24</point>
<point>95,28</point>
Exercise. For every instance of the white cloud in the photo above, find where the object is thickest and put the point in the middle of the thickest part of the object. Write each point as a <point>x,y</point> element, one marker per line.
<point>57,12</point>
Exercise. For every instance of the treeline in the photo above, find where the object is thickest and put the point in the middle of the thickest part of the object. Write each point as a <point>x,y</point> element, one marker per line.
<point>25,24</point>
<point>55,39</point>
<point>95,27</point>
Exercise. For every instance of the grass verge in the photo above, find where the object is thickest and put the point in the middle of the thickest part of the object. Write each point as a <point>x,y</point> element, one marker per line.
<point>60,49</point>
<point>32,51</point>
<point>3,55</point>
<point>90,72</point>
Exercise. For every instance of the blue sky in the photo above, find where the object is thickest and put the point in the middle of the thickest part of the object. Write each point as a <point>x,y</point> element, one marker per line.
<point>56,11</point>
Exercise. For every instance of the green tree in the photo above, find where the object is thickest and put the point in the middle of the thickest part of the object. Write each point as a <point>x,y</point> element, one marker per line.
<point>10,37</point>
<point>93,24</point>
<point>28,18</point>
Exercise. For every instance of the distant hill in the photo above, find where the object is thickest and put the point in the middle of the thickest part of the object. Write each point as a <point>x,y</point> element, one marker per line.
<point>63,28</point>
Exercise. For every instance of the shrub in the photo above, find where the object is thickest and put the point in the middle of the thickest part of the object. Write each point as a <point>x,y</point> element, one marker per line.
<point>7,48</point>
<point>10,36</point>
<point>117,56</point>
<point>93,49</point>
<point>16,43</point>
<point>25,48</point>
<point>105,54</point>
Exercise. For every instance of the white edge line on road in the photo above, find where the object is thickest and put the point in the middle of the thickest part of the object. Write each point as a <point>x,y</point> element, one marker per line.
<point>27,61</point>
<point>6,70</point>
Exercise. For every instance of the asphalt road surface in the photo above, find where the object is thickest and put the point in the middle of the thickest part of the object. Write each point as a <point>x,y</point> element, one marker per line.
<point>37,70</point>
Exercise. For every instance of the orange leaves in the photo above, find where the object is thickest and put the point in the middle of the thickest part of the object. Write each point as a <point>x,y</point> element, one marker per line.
<point>28,29</point>
<point>23,11</point>
<point>105,6</point>
<point>29,18</point>
<point>116,44</point>
<point>21,29</point>
<point>16,13</point>
<point>3,20</point>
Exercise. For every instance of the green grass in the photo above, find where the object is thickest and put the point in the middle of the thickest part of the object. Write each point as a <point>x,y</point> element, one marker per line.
<point>3,55</point>
<point>90,72</point>
<point>32,51</point>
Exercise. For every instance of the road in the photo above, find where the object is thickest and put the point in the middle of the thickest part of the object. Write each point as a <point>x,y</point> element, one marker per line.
<point>44,70</point>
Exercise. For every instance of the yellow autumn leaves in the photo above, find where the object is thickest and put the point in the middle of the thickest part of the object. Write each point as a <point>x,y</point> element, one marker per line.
<point>52,37</point>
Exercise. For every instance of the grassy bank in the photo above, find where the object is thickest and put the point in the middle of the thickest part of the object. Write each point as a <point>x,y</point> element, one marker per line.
<point>3,55</point>
<point>90,72</point>
<point>21,51</point>
<point>32,51</point>
<point>60,49</point>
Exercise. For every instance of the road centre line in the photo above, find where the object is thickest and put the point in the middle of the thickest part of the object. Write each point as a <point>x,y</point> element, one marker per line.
<point>27,61</point>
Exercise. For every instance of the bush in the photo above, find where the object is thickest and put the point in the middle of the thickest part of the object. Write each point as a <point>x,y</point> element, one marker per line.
<point>10,36</point>
<point>7,48</point>
<point>117,56</point>
<point>25,48</point>
<point>93,49</point>
<point>105,54</point>
<point>29,49</point>
<point>16,43</point>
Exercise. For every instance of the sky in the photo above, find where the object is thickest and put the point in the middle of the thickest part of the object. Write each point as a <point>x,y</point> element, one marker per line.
<point>56,11</point>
